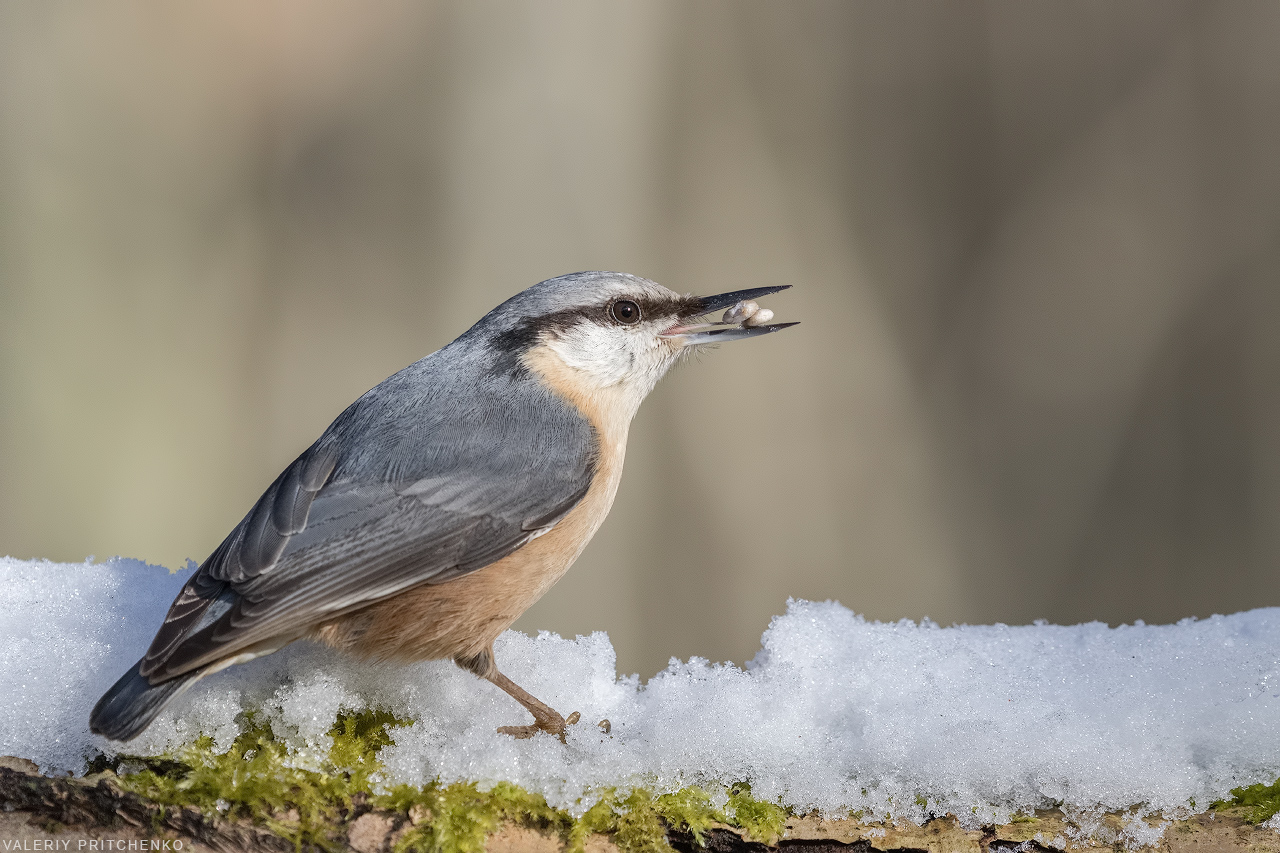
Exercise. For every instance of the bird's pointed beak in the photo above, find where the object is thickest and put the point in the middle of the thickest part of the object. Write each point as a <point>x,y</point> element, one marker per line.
<point>718,332</point>
<point>721,301</point>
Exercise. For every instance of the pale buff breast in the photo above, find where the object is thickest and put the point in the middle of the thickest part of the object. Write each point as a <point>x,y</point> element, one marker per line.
<point>462,618</point>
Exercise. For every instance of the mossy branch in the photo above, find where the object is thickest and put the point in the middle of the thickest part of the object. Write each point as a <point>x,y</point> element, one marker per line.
<point>256,795</point>
<point>259,780</point>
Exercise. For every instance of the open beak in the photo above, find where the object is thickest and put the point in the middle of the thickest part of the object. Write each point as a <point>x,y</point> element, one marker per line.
<point>718,332</point>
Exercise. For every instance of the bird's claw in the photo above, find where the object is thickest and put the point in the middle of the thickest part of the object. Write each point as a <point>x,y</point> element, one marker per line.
<point>551,725</point>
<point>519,732</point>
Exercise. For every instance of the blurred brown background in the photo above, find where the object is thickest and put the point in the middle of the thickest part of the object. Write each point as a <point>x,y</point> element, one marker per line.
<point>1034,247</point>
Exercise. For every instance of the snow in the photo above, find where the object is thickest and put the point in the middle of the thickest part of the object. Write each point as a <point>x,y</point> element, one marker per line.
<point>835,712</point>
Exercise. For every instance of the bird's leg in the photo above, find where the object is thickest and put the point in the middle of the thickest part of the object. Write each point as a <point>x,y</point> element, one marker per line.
<point>546,718</point>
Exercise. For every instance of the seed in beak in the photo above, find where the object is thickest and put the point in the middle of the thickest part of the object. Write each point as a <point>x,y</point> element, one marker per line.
<point>759,318</point>
<point>741,312</point>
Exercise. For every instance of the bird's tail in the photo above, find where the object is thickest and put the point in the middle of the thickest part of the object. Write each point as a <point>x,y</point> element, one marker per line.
<point>133,702</point>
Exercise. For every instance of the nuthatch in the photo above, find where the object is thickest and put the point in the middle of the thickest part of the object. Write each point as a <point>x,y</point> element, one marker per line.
<point>443,502</point>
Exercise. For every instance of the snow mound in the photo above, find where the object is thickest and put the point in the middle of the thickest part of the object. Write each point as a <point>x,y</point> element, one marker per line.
<point>834,712</point>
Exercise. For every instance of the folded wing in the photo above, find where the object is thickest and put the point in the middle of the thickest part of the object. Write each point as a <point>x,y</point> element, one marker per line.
<point>374,508</point>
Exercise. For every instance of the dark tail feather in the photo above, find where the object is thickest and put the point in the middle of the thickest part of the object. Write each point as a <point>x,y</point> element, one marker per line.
<point>133,702</point>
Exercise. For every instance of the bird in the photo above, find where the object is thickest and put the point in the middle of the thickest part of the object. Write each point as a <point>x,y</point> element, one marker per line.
<point>444,501</point>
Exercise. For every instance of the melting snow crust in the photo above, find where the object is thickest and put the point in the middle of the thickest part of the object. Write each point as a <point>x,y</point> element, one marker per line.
<point>833,713</point>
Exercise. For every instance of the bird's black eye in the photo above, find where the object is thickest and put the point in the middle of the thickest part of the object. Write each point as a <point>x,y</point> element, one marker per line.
<point>625,312</point>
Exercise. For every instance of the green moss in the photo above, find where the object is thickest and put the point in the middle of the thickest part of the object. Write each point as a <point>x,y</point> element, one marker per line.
<point>1260,802</point>
<point>257,777</point>
<point>601,817</point>
<point>691,810</point>
<point>459,816</point>
<point>639,829</point>
<point>638,821</point>
<point>633,822</point>
<point>758,819</point>
<point>357,739</point>
<point>260,779</point>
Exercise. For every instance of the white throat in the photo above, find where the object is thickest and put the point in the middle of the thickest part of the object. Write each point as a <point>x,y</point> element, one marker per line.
<point>605,373</point>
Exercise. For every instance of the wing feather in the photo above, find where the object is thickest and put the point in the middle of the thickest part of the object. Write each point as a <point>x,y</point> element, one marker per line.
<point>366,513</point>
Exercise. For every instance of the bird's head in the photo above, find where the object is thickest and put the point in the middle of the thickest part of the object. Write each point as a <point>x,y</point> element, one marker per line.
<point>607,333</point>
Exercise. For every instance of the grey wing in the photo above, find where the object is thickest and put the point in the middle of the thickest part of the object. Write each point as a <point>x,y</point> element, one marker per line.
<point>317,545</point>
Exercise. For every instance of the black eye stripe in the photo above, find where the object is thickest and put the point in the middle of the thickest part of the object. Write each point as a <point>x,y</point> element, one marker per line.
<point>625,311</point>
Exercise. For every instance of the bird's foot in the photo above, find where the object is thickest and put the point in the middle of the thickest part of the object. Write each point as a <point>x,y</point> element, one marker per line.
<point>552,723</point>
